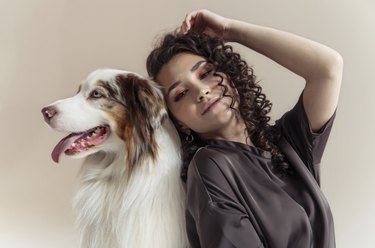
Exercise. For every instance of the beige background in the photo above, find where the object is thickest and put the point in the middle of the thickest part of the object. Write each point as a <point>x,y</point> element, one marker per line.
<point>48,47</point>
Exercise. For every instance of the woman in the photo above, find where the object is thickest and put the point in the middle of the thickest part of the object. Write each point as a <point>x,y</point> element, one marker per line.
<point>249,184</point>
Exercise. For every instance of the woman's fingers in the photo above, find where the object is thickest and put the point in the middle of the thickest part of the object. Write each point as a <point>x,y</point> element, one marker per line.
<point>188,22</point>
<point>202,21</point>
<point>185,26</point>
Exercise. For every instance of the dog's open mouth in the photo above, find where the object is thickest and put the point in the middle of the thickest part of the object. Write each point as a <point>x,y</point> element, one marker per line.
<point>78,142</point>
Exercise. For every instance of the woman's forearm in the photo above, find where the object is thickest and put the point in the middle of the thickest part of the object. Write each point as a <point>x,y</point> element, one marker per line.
<point>302,56</point>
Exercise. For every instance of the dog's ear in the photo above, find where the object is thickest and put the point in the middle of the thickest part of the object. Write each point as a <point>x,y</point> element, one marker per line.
<point>142,98</point>
<point>145,110</point>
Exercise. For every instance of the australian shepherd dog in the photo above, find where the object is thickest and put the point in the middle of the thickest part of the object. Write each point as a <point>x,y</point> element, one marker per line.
<point>131,194</point>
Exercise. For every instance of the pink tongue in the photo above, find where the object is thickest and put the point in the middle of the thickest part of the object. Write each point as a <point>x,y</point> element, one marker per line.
<point>64,144</point>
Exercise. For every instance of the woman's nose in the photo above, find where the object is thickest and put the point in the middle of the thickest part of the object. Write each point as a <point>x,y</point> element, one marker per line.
<point>202,94</point>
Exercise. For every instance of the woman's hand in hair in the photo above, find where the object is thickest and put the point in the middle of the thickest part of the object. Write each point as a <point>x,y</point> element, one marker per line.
<point>207,22</point>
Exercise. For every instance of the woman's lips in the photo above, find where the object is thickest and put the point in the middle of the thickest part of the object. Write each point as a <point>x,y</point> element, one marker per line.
<point>210,104</point>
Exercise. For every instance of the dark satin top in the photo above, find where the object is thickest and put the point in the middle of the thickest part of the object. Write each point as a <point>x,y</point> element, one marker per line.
<point>235,200</point>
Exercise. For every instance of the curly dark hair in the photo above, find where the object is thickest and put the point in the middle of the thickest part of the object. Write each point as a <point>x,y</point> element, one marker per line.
<point>253,105</point>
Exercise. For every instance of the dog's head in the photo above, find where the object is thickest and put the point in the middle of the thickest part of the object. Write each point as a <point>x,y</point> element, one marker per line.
<point>111,108</point>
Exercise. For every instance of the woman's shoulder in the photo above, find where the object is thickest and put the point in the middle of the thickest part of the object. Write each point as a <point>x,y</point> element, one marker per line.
<point>210,155</point>
<point>207,173</point>
<point>206,160</point>
<point>212,162</point>
<point>205,152</point>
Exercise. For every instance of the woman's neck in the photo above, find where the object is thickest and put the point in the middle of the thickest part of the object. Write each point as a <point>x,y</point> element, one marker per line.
<point>236,131</point>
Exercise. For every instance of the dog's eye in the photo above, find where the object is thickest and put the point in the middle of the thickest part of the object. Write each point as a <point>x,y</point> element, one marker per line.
<point>96,94</point>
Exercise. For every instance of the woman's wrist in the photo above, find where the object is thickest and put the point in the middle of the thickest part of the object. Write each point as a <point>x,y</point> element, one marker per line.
<point>232,31</point>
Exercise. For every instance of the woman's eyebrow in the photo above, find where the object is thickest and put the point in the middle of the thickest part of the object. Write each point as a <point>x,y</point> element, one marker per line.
<point>174,85</point>
<point>177,83</point>
<point>196,66</point>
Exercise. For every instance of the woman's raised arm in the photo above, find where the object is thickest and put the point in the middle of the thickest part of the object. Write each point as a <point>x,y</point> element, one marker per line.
<point>319,65</point>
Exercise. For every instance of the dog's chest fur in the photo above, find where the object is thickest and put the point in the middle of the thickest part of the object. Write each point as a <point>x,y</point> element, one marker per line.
<point>116,211</point>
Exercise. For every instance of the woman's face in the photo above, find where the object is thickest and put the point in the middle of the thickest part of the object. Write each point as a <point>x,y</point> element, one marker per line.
<point>194,96</point>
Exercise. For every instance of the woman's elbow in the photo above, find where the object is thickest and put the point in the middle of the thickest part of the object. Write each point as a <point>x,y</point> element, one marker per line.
<point>335,66</point>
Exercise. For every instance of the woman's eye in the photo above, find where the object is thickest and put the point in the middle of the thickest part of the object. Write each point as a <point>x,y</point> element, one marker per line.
<point>180,95</point>
<point>204,75</point>
<point>96,94</point>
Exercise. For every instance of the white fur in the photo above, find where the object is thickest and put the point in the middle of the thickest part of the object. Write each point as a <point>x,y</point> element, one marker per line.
<point>114,210</point>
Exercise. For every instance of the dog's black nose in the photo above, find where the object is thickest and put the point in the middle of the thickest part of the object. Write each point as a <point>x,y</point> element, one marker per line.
<point>49,113</point>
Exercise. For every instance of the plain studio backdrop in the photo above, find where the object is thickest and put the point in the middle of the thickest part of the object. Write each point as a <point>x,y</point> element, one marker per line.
<point>48,47</point>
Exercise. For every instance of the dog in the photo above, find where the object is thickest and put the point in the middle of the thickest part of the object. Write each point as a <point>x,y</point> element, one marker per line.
<point>131,194</point>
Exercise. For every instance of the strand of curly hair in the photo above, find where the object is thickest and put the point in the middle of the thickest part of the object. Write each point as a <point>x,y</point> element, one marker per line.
<point>253,105</point>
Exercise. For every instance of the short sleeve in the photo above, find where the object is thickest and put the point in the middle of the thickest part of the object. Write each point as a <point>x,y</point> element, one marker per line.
<point>214,217</point>
<point>295,127</point>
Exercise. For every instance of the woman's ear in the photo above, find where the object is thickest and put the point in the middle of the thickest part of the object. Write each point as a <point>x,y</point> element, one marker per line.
<point>183,128</point>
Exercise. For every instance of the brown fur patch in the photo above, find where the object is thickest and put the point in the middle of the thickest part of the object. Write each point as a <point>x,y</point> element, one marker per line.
<point>136,110</point>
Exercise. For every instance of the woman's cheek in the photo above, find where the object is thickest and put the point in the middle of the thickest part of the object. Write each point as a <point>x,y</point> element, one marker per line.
<point>178,110</point>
